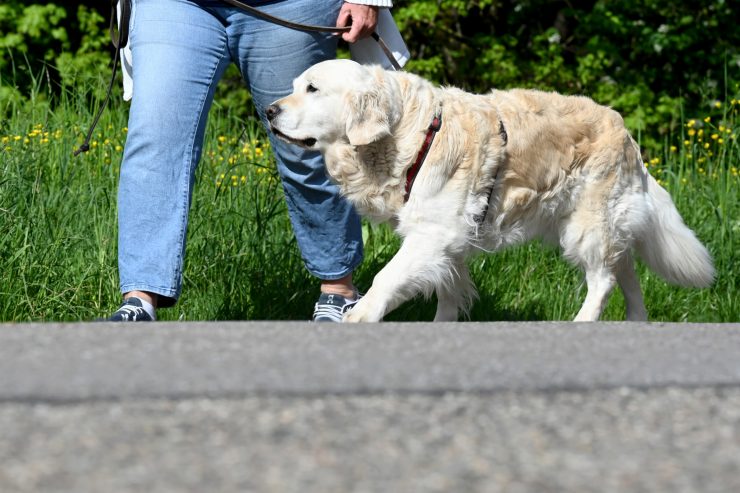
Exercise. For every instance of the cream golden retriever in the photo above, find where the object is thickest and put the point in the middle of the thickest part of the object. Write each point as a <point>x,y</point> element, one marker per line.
<point>503,168</point>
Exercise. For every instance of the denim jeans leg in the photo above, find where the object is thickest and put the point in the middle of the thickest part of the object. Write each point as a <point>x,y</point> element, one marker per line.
<point>179,53</point>
<point>326,227</point>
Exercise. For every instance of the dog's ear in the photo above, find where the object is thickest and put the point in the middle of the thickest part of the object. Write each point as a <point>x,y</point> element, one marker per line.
<point>370,112</point>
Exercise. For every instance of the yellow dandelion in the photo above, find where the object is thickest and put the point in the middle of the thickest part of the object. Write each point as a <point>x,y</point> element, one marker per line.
<point>124,130</point>
<point>728,131</point>
<point>706,146</point>
<point>720,141</point>
<point>5,140</point>
<point>223,176</point>
<point>17,138</point>
<point>44,141</point>
<point>718,104</point>
<point>674,148</point>
<point>691,123</point>
<point>707,119</point>
<point>244,179</point>
<point>701,170</point>
<point>691,132</point>
<point>686,143</point>
<point>119,148</point>
<point>26,140</point>
<point>232,160</point>
<point>258,152</point>
<point>701,132</point>
<point>221,139</point>
<point>715,136</point>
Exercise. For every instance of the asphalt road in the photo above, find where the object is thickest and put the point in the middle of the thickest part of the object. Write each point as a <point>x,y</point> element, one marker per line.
<point>297,407</point>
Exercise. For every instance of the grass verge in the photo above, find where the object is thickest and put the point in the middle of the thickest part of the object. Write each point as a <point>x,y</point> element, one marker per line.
<point>58,229</point>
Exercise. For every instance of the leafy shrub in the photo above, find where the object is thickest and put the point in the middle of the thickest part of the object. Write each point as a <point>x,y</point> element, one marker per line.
<point>645,58</point>
<point>40,45</point>
<point>641,57</point>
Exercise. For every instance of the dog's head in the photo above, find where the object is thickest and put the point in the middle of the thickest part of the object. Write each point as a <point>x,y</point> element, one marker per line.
<point>336,101</point>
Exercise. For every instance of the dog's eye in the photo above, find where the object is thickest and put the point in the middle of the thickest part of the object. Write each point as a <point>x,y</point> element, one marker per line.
<point>311,88</point>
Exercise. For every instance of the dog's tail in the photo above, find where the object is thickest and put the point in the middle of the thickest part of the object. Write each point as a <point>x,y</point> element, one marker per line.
<point>669,247</point>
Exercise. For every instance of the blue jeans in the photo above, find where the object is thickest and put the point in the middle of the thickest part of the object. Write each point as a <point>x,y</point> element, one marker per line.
<point>181,48</point>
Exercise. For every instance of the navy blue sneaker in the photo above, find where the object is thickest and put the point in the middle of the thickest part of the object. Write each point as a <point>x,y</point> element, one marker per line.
<point>131,311</point>
<point>331,307</point>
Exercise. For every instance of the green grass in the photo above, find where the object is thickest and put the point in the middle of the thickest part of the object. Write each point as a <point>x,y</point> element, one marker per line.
<point>58,229</point>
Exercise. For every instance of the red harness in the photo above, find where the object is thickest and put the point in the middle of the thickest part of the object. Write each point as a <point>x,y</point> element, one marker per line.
<point>414,170</point>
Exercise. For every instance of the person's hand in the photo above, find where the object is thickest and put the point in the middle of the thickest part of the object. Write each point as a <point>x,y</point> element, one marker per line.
<point>362,18</point>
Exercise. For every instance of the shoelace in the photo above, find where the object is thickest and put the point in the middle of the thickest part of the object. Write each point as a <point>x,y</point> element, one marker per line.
<point>130,312</point>
<point>333,312</point>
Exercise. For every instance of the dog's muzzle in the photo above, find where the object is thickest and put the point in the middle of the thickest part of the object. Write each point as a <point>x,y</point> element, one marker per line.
<point>271,112</point>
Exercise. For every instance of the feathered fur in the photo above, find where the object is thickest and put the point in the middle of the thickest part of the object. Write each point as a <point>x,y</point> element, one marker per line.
<point>534,164</point>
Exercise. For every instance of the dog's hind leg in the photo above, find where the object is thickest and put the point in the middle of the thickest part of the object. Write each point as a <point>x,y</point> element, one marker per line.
<point>630,286</point>
<point>600,283</point>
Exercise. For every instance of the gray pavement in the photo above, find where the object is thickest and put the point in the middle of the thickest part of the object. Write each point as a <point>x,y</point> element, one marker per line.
<point>297,407</point>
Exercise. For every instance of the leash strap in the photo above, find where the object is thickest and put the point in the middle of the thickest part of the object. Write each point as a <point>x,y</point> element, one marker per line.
<point>120,40</point>
<point>414,170</point>
<point>311,28</point>
<point>284,22</point>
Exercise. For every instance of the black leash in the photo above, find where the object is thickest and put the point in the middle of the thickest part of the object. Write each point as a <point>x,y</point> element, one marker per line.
<point>310,28</point>
<point>120,40</point>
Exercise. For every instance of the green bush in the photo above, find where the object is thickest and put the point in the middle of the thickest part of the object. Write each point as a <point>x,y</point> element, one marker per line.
<point>645,58</point>
<point>40,45</point>
<point>641,57</point>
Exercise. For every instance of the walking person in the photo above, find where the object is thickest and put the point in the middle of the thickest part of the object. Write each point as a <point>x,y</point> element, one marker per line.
<point>180,50</point>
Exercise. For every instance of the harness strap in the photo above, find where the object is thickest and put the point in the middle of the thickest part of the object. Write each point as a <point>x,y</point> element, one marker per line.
<point>480,218</point>
<point>428,139</point>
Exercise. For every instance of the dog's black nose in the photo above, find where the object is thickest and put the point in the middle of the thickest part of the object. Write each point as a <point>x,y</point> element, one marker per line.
<point>272,111</point>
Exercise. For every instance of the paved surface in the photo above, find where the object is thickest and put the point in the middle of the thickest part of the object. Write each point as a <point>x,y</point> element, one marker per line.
<point>296,407</point>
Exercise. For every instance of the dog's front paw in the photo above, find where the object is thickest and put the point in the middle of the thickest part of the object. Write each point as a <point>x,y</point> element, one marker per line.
<point>362,311</point>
